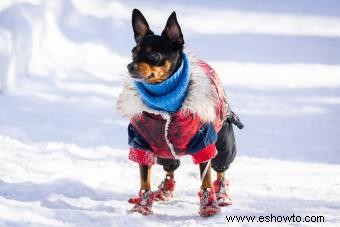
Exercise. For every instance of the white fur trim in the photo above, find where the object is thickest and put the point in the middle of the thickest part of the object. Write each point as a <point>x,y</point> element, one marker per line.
<point>201,98</point>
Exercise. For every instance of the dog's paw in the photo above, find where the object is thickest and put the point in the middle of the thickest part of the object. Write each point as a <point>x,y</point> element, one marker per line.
<point>143,203</point>
<point>222,192</point>
<point>165,190</point>
<point>135,200</point>
<point>163,196</point>
<point>207,211</point>
<point>145,210</point>
<point>208,202</point>
<point>224,201</point>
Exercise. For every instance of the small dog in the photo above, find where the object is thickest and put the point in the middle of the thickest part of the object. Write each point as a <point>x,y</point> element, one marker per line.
<point>177,106</point>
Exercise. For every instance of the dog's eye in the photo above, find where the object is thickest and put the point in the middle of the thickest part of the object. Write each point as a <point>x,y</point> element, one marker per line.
<point>156,56</point>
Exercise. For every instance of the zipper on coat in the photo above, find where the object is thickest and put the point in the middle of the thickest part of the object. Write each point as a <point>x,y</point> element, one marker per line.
<point>167,125</point>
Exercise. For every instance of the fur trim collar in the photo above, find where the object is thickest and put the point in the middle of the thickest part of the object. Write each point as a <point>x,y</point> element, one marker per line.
<point>200,99</point>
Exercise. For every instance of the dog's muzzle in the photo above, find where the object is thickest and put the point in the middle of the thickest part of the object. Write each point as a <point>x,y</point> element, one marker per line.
<point>132,68</point>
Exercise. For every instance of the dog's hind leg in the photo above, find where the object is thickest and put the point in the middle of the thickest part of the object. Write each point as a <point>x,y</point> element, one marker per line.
<point>226,148</point>
<point>166,190</point>
<point>220,175</point>
<point>221,187</point>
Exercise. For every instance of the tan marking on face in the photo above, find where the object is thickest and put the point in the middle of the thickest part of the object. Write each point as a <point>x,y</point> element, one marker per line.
<point>138,48</point>
<point>148,49</point>
<point>154,74</point>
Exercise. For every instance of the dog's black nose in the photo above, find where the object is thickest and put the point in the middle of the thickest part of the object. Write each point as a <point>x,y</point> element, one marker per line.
<point>132,67</point>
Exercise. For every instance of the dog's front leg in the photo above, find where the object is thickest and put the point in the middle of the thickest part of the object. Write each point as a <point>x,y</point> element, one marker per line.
<point>143,203</point>
<point>145,177</point>
<point>205,172</point>
<point>208,202</point>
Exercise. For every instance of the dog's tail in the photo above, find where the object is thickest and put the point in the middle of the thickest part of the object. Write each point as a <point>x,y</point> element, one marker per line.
<point>234,119</point>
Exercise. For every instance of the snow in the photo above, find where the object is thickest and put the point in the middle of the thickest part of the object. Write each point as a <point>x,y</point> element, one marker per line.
<point>238,21</point>
<point>63,148</point>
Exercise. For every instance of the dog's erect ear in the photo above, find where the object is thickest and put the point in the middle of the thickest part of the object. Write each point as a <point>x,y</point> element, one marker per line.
<point>140,25</point>
<point>172,30</point>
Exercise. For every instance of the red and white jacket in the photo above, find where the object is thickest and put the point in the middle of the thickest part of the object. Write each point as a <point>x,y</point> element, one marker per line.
<point>191,130</point>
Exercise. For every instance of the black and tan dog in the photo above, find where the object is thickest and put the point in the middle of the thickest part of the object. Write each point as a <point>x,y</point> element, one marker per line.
<point>177,106</point>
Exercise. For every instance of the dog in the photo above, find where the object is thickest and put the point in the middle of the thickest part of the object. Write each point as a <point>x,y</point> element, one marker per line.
<point>177,106</point>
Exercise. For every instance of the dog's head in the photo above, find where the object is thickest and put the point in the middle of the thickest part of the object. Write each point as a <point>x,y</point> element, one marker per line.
<point>155,58</point>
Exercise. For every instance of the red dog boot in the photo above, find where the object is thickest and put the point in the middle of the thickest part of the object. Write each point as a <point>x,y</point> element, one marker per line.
<point>143,203</point>
<point>165,190</point>
<point>221,190</point>
<point>208,203</point>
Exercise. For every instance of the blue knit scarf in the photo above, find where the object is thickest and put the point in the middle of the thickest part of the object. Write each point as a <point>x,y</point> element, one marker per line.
<point>169,94</point>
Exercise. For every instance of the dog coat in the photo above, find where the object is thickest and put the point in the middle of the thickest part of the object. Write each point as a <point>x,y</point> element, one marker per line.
<point>190,130</point>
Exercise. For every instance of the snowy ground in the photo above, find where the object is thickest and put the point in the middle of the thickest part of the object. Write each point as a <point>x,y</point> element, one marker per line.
<point>63,150</point>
